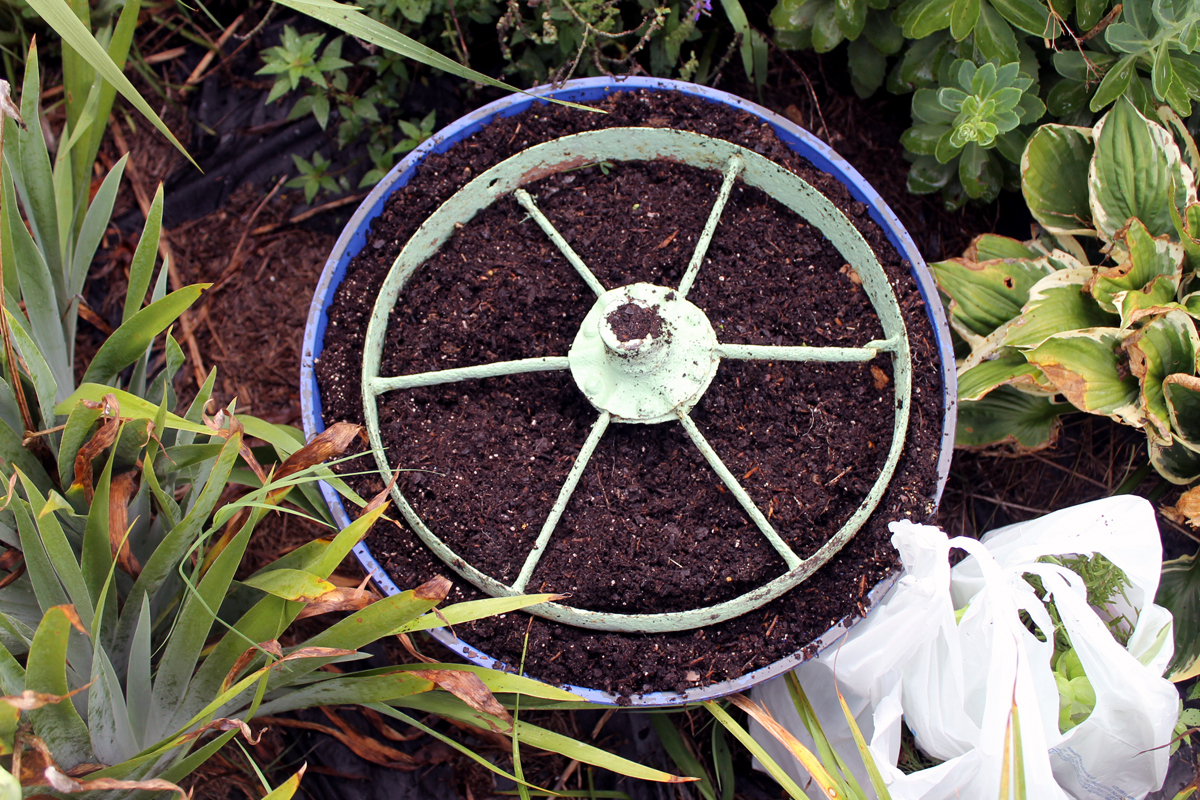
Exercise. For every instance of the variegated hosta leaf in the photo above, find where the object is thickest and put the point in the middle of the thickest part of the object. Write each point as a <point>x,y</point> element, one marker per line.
<point>1054,171</point>
<point>1009,368</point>
<point>1192,303</point>
<point>1176,462</point>
<point>1136,171</point>
<point>1084,366</point>
<point>1057,303</point>
<point>1187,228</point>
<point>1164,346</point>
<point>1179,593</point>
<point>1181,392</point>
<point>1153,269</point>
<point>986,294</point>
<point>987,246</point>
<point>1007,416</point>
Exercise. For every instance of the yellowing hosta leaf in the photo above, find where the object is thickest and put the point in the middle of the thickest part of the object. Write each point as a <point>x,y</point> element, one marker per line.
<point>1176,462</point>
<point>985,295</point>
<point>1085,367</point>
<point>1156,299</point>
<point>1008,369</point>
<point>291,584</point>
<point>1182,394</point>
<point>1136,171</point>
<point>1153,268</point>
<point>1054,170</point>
<point>1057,303</point>
<point>1009,417</point>
<point>1164,346</point>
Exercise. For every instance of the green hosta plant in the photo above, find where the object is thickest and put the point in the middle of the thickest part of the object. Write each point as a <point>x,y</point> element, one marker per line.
<point>958,126</point>
<point>1099,313</point>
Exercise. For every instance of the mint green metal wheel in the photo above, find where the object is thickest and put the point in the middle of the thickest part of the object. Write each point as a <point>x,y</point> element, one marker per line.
<point>643,354</point>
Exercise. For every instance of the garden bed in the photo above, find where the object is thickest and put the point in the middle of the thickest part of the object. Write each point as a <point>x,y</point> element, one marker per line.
<point>650,527</point>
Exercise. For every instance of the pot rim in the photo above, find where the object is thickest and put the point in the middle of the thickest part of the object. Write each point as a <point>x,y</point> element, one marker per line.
<point>353,239</point>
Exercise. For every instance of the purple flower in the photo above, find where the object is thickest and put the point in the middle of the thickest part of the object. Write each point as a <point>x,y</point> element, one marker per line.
<point>701,7</point>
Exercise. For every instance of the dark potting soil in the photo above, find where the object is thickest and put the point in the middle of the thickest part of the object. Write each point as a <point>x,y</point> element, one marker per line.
<point>650,527</point>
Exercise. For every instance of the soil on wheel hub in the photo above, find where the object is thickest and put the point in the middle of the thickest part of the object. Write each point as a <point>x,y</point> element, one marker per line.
<point>650,527</point>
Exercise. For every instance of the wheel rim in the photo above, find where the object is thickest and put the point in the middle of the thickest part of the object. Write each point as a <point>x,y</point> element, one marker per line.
<point>600,356</point>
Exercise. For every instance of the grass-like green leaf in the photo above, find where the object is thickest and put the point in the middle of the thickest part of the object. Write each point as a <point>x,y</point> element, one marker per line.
<point>95,223</point>
<point>678,752</point>
<point>769,764</point>
<point>58,724</point>
<point>141,268</point>
<point>130,341</point>
<point>446,705</point>
<point>59,16</point>
<point>471,610</point>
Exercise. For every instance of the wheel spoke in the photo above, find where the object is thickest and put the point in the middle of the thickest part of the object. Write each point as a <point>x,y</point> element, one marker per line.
<point>477,372</point>
<point>560,504</point>
<point>790,558</point>
<point>526,201</point>
<point>764,352</point>
<point>732,170</point>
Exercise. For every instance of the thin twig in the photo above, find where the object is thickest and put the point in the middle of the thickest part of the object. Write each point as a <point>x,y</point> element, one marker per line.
<point>198,73</point>
<point>312,212</point>
<point>234,261</point>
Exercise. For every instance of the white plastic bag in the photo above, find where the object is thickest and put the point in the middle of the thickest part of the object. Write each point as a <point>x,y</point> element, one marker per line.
<point>956,683</point>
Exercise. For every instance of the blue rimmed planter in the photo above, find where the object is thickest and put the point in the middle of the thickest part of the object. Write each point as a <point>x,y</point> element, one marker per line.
<point>354,238</point>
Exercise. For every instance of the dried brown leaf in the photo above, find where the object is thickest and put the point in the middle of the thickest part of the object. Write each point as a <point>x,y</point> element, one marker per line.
<point>28,700</point>
<point>387,731</point>
<point>435,589</point>
<point>245,658</point>
<point>73,618</point>
<point>329,443</point>
<point>61,783</point>
<point>340,599</point>
<point>219,428</point>
<point>104,438</point>
<point>123,487</point>
<point>381,498</point>
<point>466,686</point>
<point>1186,509</point>
<point>8,108</point>
<point>363,746</point>
<point>412,651</point>
<point>222,724</point>
<point>785,737</point>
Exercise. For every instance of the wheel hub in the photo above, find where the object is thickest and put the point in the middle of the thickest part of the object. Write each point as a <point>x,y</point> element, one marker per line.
<point>644,354</point>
